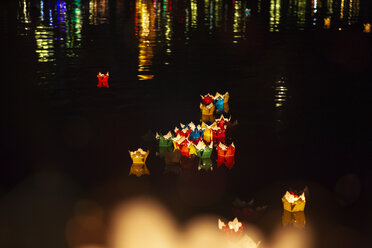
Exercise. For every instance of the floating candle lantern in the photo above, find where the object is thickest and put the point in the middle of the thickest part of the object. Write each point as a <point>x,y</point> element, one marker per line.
<point>204,151</point>
<point>139,156</point>
<point>226,155</point>
<point>103,80</point>
<point>207,99</point>
<point>196,132</point>
<point>218,134</point>
<point>232,226</point>
<point>367,28</point>
<point>293,202</point>
<point>219,100</point>
<point>178,140</point>
<point>208,133</point>
<point>164,140</point>
<point>222,121</point>
<point>139,169</point>
<point>185,132</point>
<point>207,109</point>
<point>296,219</point>
<point>327,22</point>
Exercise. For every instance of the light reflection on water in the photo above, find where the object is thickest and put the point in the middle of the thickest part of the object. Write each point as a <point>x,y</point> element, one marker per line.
<point>58,26</point>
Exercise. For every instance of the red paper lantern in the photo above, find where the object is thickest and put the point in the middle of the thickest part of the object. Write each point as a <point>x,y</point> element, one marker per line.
<point>102,80</point>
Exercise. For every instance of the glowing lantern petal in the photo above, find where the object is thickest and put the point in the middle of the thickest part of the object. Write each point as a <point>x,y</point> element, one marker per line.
<point>294,203</point>
<point>232,226</point>
<point>139,156</point>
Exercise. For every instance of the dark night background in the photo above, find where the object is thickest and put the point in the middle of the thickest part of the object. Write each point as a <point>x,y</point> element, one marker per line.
<point>63,139</point>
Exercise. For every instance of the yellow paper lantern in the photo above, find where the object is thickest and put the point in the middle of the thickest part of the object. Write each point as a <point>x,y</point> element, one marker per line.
<point>207,110</point>
<point>296,219</point>
<point>367,28</point>
<point>208,133</point>
<point>139,169</point>
<point>294,203</point>
<point>327,23</point>
<point>139,156</point>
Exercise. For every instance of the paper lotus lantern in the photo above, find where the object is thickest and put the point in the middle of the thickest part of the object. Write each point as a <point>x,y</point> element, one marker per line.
<point>367,28</point>
<point>186,147</point>
<point>164,140</point>
<point>102,80</point>
<point>226,151</point>
<point>219,100</point>
<point>178,140</point>
<point>196,133</point>
<point>296,219</point>
<point>139,156</point>
<point>208,133</point>
<point>222,121</point>
<point>207,109</point>
<point>139,169</point>
<point>205,164</point>
<point>232,226</point>
<point>207,99</point>
<point>204,151</point>
<point>327,23</point>
<point>293,202</point>
<point>219,135</point>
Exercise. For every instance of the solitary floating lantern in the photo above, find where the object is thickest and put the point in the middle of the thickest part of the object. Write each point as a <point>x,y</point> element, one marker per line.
<point>103,80</point>
<point>296,219</point>
<point>207,99</point>
<point>232,226</point>
<point>139,169</point>
<point>293,202</point>
<point>367,28</point>
<point>164,140</point>
<point>205,164</point>
<point>208,133</point>
<point>327,22</point>
<point>204,151</point>
<point>139,156</point>
<point>207,109</point>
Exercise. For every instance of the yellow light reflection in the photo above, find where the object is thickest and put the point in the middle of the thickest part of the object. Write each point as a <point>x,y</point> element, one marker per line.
<point>353,12</point>
<point>194,13</point>
<point>98,12</point>
<point>237,24</point>
<point>367,28</point>
<point>274,22</point>
<point>280,93</point>
<point>330,6</point>
<point>44,37</point>
<point>145,23</point>
<point>342,9</point>
<point>218,13</point>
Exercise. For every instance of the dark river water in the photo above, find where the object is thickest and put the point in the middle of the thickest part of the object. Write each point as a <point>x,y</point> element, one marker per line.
<point>299,77</point>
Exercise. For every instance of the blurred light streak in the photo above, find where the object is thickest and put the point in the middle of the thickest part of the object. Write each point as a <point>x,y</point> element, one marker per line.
<point>274,22</point>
